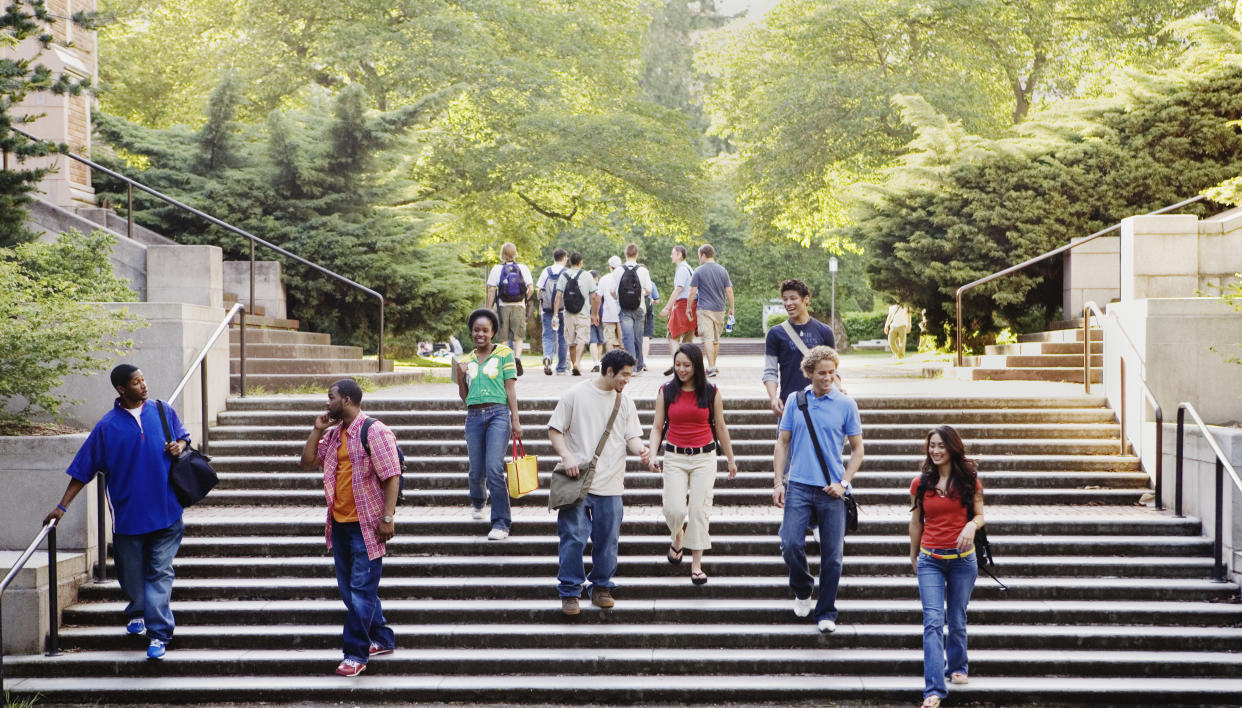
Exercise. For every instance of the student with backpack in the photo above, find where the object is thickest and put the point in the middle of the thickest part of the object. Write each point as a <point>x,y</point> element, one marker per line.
<point>509,286</point>
<point>631,287</point>
<point>577,301</point>
<point>554,344</point>
<point>689,419</point>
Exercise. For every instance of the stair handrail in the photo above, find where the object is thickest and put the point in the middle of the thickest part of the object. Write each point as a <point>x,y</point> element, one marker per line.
<point>1031,261</point>
<point>48,531</point>
<point>1222,465</point>
<point>131,184</point>
<point>1088,309</point>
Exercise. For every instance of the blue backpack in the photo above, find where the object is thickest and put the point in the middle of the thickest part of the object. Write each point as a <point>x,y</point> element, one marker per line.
<point>512,286</point>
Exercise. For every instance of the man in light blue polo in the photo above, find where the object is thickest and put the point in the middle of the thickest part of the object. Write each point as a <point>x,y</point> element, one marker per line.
<point>812,496</point>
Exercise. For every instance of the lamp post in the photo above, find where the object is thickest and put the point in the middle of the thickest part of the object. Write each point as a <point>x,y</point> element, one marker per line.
<point>832,268</point>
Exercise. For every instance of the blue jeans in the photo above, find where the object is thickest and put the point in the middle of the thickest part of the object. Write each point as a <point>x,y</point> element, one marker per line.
<point>944,588</point>
<point>599,519</point>
<point>632,335</point>
<point>487,436</point>
<point>805,504</point>
<point>144,568</point>
<point>554,346</point>
<point>357,580</point>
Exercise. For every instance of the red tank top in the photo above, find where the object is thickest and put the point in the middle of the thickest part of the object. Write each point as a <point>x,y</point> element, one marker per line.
<point>688,425</point>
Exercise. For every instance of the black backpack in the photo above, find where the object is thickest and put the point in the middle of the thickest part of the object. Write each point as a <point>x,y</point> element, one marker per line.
<point>574,299</point>
<point>366,445</point>
<point>547,296</point>
<point>629,289</point>
<point>512,286</point>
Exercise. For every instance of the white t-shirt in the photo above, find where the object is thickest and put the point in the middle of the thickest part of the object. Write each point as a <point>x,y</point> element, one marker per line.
<point>581,415</point>
<point>493,281</point>
<point>552,271</point>
<point>137,413</point>
<point>610,311</point>
<point>682,277</point>
<point>644,282</point>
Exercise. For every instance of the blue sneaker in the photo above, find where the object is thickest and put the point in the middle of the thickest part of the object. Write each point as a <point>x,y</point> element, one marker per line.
<point>136,626</point>
<point>156,649</point>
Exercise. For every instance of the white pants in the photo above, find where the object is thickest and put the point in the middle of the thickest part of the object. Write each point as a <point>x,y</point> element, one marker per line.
<point>692,476</point>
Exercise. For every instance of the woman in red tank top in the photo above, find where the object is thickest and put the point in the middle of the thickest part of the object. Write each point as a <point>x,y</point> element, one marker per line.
<point>946,509</point>
<point>685,409</point>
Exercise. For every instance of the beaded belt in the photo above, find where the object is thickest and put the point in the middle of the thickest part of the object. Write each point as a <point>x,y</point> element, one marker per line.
<point>946,556</point>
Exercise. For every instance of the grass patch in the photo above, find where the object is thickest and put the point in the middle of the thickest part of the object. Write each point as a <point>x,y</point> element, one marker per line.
<point>24,702</point>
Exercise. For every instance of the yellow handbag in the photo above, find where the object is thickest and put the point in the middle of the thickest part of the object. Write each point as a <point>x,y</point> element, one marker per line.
<point>522,471</point>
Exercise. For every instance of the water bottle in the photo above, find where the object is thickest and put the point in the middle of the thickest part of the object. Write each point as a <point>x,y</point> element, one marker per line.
<point>729,323</point>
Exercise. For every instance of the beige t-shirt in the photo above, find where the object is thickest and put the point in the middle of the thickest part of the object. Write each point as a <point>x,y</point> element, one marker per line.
<point>581,415</point>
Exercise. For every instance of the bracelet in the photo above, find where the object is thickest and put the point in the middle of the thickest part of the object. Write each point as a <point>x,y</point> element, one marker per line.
<point>61,507</point>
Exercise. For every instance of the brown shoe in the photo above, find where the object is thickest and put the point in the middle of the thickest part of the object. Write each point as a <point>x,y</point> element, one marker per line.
<point>600,597</point>
<point>569,606</point>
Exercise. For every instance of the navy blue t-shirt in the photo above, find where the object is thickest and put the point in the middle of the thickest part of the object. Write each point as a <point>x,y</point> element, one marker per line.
<point>788,358</point>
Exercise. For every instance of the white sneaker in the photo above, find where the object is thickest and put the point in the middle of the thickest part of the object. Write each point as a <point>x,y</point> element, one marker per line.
<point>478,514</point>
<point>498,534</point>
<point>803,607</point>
<point>827,626</point>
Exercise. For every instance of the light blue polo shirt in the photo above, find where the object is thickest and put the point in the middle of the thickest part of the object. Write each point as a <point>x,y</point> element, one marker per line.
<point>836,418</point>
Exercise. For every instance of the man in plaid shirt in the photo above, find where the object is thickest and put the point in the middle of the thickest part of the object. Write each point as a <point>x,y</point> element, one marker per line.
<point>361,491</point>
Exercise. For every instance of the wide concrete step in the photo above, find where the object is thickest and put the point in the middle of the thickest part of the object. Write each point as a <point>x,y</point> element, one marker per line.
<point>740,346</point>
<point>295,351</point>
<point>1033,373</point>
<point>638,662</point>
<point>297,382</point>
<point>878,448</point>
<point>914,421</point>
<point>260,321</point>
<point>991,361</point>
<point>526,543</point>
<point>1040,348</point>
<point>1101,462</point>
<point>1062,335</point>
<point>258,366</point>
<point>381,687</point>
<point>759,479</point>
<point>532,430</point>
<point>898,404</point>
<point>267,335</point>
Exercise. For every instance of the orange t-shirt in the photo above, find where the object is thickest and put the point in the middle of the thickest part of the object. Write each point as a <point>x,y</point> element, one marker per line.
<point>343,508</point>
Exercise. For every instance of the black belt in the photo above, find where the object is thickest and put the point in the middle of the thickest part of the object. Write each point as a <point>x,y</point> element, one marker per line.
<point>690,450</point>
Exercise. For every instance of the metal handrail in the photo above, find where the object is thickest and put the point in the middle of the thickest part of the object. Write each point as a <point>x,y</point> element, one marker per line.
<point>130,184</point>
<point>1222,464</point>
<point>53,639</point>
<point>1089,308</point>
<point>1049,254</point>
<point>198,364</point>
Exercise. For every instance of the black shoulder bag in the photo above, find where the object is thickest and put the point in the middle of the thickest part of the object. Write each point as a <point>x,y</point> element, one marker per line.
<point>190,475</point>
<point>983,549</point>
<point>851,505</point>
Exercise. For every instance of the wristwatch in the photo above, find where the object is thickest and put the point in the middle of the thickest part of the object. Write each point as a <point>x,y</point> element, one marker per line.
<point>386,519</point>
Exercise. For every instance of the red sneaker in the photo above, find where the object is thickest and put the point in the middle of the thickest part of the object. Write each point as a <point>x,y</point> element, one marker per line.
<point>350,668</point>
<point>377,650</point>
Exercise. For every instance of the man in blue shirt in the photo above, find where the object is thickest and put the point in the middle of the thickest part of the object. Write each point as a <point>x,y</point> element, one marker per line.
<point>128,445</point>
<point>811,495</point>
<point>782,361</point>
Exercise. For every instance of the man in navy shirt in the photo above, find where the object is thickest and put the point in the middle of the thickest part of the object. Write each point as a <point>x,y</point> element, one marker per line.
<point>128,445</point>
<point>782,361</point>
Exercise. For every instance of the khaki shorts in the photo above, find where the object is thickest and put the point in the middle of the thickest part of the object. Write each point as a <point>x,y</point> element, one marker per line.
<point>612,335</point>
<point>512,323</point>
<point>577,330</point>
<point>711,324</point>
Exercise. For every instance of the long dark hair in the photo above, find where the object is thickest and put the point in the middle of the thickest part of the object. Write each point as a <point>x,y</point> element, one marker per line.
<point>963,472</point>
<point>702,391</point>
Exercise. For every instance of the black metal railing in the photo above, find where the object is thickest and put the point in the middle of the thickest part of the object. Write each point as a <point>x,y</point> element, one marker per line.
<point>53,637</point>
<point>1222,465</point>
<point>1031,261</point>
<point>131,184</point>
<point>1088,309</point>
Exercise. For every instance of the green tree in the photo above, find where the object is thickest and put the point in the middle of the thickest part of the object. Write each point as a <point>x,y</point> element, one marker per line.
<point>51,329</point>
<point>25,21</point>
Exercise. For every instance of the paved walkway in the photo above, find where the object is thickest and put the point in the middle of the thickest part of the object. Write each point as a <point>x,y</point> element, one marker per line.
<point>865,374</point>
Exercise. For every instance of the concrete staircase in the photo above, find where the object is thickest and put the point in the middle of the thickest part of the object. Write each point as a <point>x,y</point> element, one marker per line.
<point>281,358</point>
<point>1109,601</point>
<point>1055,355</point>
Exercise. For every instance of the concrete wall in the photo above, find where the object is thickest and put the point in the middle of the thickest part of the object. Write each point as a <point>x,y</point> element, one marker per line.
<point>25,615</point>
<point>189,274</point>
<point>1199,483</point>
<point>163,350</point>
<point>32,473</point>
<point>1176,255</point>
<point>119,224</point>
<point>1091,274</point>
<point>269,291</point>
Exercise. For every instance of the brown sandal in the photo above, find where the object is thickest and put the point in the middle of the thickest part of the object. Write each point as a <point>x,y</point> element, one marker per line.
<point>698,577</point>
<point>674,554</point>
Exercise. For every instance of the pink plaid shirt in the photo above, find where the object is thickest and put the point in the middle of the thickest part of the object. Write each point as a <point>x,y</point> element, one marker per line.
<point>369,472</point>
